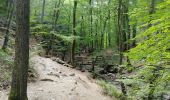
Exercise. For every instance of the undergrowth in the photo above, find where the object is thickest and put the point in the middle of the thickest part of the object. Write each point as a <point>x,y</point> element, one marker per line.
<point>111,90</point>
<point>6,62</point>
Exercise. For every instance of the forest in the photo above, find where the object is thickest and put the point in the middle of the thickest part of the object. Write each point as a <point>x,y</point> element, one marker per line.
<point>85,50</point>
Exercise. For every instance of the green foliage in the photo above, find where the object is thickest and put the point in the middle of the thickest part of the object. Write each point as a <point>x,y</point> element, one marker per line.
<point>110,89</point>
<point>153,39</point>
<point>3,7</point>
<point>152,79</point>
<point>5,58</point>
<point>41,29</point>
<point>64,38</point>
<point>6,62</point>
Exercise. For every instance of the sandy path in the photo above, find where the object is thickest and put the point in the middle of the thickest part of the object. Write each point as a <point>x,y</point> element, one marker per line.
<point>57,82</point>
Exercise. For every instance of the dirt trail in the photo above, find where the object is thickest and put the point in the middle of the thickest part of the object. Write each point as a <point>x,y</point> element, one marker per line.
<point>57,82</point>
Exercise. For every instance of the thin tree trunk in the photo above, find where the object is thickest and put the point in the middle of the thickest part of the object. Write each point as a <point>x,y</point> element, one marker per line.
<point>127,24</point>
<point>108,29</point>
<point>91,23</point>
<point>134,29</point>
<point>133,36</point>
<point>121,39</point>
<point>109,32</point>
<point>119,31</point>
<point>74,33</point>
<point>151,11</point>
<point>96,35</point>
<point>42,12</point>
<point>101,38</point>
<point>124,27</point>
<point>104,30</point>
<point>9,19</point>
<point>82,25</point>
<point>56,14</point>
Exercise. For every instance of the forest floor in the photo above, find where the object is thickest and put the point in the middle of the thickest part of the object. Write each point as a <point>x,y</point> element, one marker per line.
<point>57,82</point>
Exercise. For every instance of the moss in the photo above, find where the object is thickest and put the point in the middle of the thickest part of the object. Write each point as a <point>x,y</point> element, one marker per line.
<point>14,95</point>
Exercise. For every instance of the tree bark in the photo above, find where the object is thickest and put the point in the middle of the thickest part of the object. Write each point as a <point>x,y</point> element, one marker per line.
<point>121,34</point>
<point>91,23</point>
<point>120,44</point>
<point>9,19</point>
<point>43,10</point>
<point>56,14</point>
<point>133,36</point>
<point>74,33</point>
<point>109,32</point>
<point>19,76</point>
<point>151,11</point>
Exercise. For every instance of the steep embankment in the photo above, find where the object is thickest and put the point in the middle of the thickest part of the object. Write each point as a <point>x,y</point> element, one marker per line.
<point>57,82</point>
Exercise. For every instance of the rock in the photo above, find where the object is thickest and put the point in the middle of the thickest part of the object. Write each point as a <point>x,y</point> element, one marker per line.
<point>32,75</point>
<point>73,74</point>
<point>76,83</point>
<point>53,58</point>
<point>70,66</point>
<point>73,89</point>
<point>55,69</point>
<point>64,75</point>
<point>60,61</point>
<point>47,80</point>
<point>57,59</point>
<point>4,85</point>
<point>83,70</point>
<point>166,96</point>
<point>57,75</point>
<point>66,65</point>
<point>70,93</point>
<point>52,74</point>
<point>77,94</point>
<point>111,76</point>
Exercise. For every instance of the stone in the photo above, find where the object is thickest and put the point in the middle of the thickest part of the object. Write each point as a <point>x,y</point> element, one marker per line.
<point>73,74</point>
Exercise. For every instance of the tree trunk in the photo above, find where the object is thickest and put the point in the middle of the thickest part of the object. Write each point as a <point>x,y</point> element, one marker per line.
<point>74,33</point>
<point>122,36</point>
<point>151,11</point>
<point>9,18</point>
<point>101,31</point>
<point>96,35</point>
<point>91,23</point>
<point>55,18</point>
<point>133,36</point>
<point>120,31</point>
<point>127,27</point>
<point>56,14</point>
<point>109,32</point>
<point>19,76</point>
<point>43,10</point>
